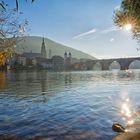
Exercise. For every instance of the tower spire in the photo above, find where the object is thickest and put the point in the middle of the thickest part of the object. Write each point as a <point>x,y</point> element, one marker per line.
<point>43,49</point>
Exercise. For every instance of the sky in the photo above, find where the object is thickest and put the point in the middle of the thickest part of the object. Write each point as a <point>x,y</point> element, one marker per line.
<point>86,25</point>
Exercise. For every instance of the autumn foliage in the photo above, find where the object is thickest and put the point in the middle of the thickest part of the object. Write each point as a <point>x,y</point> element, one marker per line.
<point>6,50</point>
<point>11,28</point>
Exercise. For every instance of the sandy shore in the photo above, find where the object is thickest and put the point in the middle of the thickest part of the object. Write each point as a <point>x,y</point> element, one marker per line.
<point>127,136</point>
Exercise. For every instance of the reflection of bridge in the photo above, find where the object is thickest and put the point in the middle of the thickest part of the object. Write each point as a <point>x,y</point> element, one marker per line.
<point>105,63</point>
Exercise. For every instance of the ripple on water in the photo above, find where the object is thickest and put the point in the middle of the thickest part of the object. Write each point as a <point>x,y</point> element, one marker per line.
<point>72,106</point>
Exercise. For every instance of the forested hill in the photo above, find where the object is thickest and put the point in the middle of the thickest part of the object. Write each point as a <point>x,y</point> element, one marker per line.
<point>33,44</point>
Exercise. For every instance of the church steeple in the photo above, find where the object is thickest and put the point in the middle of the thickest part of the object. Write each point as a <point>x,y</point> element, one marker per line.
<point>65,54</point>
<point>43,49</point>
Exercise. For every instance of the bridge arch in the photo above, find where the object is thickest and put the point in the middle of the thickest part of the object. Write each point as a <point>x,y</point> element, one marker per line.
<point>114,65</point>
<point>135,64</point>
<point>106,64</point>
<point>126,63</point>
<point>97,66</point>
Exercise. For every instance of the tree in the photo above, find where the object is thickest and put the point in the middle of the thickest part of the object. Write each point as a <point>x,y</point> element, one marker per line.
<point>2,3</point>
<point>10,29</point>
<point>129,13</point>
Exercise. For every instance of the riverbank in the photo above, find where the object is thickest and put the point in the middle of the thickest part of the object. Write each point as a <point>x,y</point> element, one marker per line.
<point>128,136</point>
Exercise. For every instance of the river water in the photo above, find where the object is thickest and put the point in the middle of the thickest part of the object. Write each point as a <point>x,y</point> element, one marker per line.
<point>68,105</point>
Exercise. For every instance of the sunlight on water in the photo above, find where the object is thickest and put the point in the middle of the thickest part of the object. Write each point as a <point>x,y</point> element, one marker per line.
<point>130,116</point>
<point>126,112</point>
<point>69,105</point>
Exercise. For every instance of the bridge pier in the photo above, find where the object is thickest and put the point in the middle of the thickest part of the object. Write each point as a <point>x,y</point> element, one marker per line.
<point>105,68</point>
<point>124,67</point>
<point>105,65</point>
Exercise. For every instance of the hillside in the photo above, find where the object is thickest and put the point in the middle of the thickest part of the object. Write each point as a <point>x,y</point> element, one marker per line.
<point>33,44</point>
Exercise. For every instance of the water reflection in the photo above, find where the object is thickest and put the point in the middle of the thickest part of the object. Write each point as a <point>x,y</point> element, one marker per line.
<point>127,113</point>
<point>130,116</point>
<point>43,77</point>
<point>2,80</point>
<point>68,78</point>
<point>75,105</point>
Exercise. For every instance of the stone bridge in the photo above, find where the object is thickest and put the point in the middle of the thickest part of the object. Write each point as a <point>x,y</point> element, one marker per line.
<point>105,63</point>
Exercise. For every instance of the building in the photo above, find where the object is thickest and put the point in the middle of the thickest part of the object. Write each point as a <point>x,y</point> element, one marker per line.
<point>67,60</point>
<point>43,49</point>
<point>44,63</point>
<point>31,59</point>
<point>58,63</point>
<point>40,60</point>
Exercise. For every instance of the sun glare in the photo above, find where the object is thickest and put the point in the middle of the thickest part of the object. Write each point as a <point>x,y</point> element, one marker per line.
<point>128,27</point>
<point>127,113</point>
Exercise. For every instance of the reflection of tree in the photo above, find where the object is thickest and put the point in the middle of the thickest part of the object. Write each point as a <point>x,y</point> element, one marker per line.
<point>43,81</point>
<point>42,76</point>
<point>2,80</point>
<point>36,85</point>
<point>68,78</point>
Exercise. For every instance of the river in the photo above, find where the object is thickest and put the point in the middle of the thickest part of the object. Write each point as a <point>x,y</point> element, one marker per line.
<point>68,105</point>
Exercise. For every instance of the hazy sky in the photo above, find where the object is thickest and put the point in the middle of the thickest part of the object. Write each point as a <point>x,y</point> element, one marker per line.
<point>86,25</point>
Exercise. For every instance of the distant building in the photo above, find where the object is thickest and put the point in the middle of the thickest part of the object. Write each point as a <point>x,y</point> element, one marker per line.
<point>44,63</point>
<point>21,60</point>
<point>43,49</point>
<point>50,53</point>
<point>40,60</point>
<point>30,58</point>
<point>42,54</point>
<point>67,60</point>
<point>58,63</point>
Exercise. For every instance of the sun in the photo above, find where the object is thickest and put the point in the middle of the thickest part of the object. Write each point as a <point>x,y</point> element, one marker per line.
<point>128,27</point>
